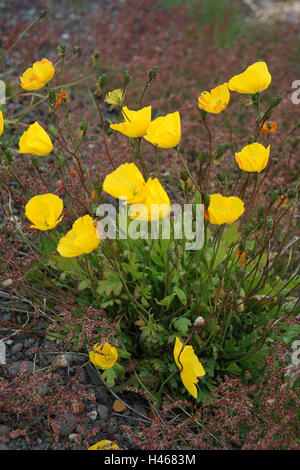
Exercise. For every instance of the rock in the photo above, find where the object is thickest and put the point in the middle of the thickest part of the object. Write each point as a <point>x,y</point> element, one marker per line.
<point>15,367</point>
<point>93,415</point>
<point>140,411</point>
<point>42,389</point>
<point>92,374</point>
<point>103,412</point>
<point>4,430</point>
<point>66,423</point>
<point>119,407</point>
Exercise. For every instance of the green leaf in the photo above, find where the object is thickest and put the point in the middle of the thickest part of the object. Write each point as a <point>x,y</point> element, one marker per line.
<point>181,295</point>
<point>182,324</point>
<point>166,302</point>
<point>109,376</point>
<point>111,284</point>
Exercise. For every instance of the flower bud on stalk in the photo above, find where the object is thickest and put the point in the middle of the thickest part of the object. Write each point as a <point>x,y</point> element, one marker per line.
<point>275,102</point>
<point>83,126</point>
<point>126,78</point>
<point>53,131</point>
<point>153,73</point>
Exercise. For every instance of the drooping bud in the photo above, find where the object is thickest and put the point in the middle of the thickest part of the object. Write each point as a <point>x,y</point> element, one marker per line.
<point>221,176</point>
<point>199,322</point>
<point>276,101</point>
<point>153,73</point>
<point>53,131</point>
<point>83,126</point>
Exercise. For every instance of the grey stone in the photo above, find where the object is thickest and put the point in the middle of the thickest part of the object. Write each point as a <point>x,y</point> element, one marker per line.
<point>4,429</point>
<point>16,367</point>
<point>67,423</point>
<point>42,389</point>
<point>103,412</point>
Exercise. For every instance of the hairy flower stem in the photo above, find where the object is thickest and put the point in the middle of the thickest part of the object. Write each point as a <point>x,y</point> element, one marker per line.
<point>95,94</point>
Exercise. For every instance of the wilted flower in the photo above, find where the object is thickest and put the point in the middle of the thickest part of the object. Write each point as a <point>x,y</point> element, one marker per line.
<point>44,211</point>
<point>189,365</point>
<point>35,141</point>
<point>115,98</point>
<point>224,210</point>
<point>253,157</point>
<point>165,131</point>
<point>38,75</point>
<point>103,355</point>
<point>254,79</point>
<point>61,96</point>
<point>1,123</point>
<point>241,257</point>
<point>127,182</point>
<point>105,445</point>
<point>216,100</point>
<point>269,127</point>
<point>136,122</point>
<point>82,239</point>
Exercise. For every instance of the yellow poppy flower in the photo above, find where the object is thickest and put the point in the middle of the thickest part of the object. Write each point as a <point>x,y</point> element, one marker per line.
<point>136,122</point>
<point>216,100</point>
<point>154,203</point>
<point>165,131</point>
<point>115,98</point>
<point>105,445</point>
<point>224,210</point>
<point>189,365</point>
<point>1,123</point>
<point>44,211</point>
<point>125,182</point>
<point>253,157</point>
<point>82,239</point>
<point>35,141</point>
<point>38,75</point>
<point>254,79</point>
<point>103,355</point>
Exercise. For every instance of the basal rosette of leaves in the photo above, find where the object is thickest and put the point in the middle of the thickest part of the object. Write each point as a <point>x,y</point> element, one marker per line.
<point>241,281</point>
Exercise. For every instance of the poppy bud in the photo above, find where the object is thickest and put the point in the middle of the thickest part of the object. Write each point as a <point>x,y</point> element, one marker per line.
<point>292,193</point>
<point>83,126</point>
<point>53,131</point>
<point>52,97</point>
<point>261,210</point>
<point>43,14</point>
<point>276,101</point>
<point>126,77</point>
<point>76,50</point>
<point>269,223</point>
<point>102,81</point>
<point>153,73</point>
<point>61,49</point>
<point>203,157</point>
<point>8,155</point>
<point>221,176</point>
<point>184,176</point>
<point>275,160</point>
<point>62,160</point>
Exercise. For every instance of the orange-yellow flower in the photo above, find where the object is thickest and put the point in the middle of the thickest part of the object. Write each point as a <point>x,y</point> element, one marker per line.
<point>216,100</point>
<point>224,210</point>
<point>269,127</point>
<point>63,95</point>
<point>135,123</point>
<point>38,75</point>
<point>253,157</point>
<point>165,131</point>
<point>189,365</point>
<point>254,79</point>
<point>81,239</point>
<point>35,141</point>
<point>241,257</point>
<point>103,355</point>
<point>105,445</point>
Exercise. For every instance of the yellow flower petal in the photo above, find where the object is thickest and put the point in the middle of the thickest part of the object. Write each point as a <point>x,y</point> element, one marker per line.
<point>105,444</point>
<point>136,122</point>
<point>165,131</point>
<point>254,79</point>
<point>35,141</point>
<point>216,100</point>
<point>253,157</point>
<point>82,239</point>
<point>125,182</point>
<point>44,211</point>
<point>224,210</point>
<point>103,355</point>
<point>154,202</point>
<point>189,365</point>
<point>1,123</point>
<point>38,75</point>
